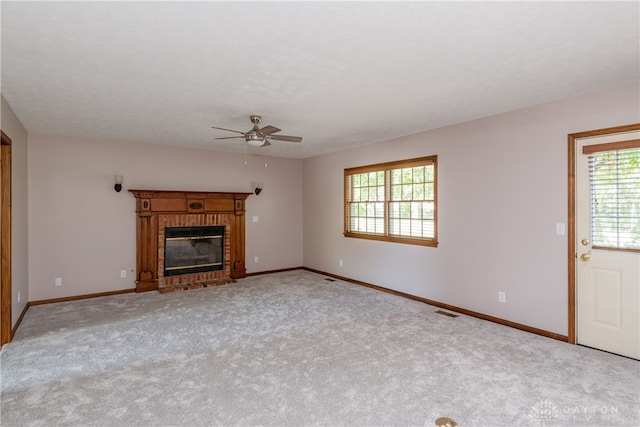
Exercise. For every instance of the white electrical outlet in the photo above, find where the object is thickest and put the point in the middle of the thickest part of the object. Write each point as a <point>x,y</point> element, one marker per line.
<point>340,263</point>
<point>58,281</point>
<point>256,259</point>
<point>123,274</point>
<point>502,297</point>
<point>256,218</point>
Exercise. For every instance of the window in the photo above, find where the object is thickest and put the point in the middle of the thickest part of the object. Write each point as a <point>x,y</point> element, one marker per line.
<point>614,175</point>
<point>394,202</point>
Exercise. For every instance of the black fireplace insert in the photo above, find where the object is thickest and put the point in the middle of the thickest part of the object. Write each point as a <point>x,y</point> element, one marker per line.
<point>193,249</point>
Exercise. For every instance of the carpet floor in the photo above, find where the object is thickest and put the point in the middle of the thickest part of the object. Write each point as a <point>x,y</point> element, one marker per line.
<point>294,349</point>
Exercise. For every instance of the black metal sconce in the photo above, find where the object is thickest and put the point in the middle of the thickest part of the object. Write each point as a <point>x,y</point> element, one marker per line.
<point>258,189</point>
<point>118,186</point>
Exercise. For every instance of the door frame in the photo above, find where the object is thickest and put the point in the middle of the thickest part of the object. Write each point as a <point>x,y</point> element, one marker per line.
<point>5,239</point>
<point>572,254</point>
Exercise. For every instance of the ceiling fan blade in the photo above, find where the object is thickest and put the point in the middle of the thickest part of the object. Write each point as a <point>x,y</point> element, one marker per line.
<point>228,130</point>
<point>268,130</point>
<point>266,143</point>
<point>286,138</point>
<point>230,137</point>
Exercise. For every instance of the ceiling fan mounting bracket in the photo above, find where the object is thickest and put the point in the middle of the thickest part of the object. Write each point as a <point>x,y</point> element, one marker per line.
<point>255,119</point>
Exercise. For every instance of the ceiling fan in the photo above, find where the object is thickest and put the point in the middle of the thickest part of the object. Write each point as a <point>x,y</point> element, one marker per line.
<point>257,137</point>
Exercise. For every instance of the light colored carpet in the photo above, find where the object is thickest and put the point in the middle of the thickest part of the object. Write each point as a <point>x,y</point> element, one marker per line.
<point>293,349</point>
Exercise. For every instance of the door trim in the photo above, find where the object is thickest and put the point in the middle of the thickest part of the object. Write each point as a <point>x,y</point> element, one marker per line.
<point>5,239</point>
<point>571,235</point>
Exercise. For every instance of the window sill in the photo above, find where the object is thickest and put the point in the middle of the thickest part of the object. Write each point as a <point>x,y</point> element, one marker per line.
<point>393,239</point>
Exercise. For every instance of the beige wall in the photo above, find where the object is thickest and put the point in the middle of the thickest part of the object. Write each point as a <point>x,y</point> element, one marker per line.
<point>12,127</point>
<point>81,230</point>
<point>502,185</point>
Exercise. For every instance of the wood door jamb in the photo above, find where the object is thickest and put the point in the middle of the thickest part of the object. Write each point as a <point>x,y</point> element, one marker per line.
<point>5,239</point>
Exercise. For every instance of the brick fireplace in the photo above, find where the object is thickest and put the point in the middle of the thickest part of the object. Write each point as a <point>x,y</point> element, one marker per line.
<point>157,210</point>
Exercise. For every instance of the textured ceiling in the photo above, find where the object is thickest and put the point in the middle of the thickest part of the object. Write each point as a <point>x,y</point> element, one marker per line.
<point>339,74</point>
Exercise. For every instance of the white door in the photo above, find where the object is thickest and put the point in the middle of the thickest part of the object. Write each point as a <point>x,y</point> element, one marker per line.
<point>608,243</point>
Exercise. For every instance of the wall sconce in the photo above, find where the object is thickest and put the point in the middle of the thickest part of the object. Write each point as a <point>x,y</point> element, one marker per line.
<point>118,186</point>
<point>258,189</point>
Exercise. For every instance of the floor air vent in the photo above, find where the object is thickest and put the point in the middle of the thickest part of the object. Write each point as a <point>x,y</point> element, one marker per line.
<point>446,314</point>
<point>330,280</point>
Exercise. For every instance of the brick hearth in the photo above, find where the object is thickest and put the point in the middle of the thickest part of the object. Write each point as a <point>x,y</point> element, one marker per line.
<point>209,278</point>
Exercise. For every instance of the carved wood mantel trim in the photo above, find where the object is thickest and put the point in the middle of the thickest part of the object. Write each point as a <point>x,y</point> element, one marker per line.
<point>151,203</point>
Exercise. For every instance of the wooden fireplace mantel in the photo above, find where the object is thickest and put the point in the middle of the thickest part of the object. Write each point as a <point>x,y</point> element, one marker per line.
<point>150,204</point>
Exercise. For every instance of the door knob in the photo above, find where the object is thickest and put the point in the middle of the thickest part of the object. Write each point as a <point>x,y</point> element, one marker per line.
<point>585,257</point>
<point>585,242</point>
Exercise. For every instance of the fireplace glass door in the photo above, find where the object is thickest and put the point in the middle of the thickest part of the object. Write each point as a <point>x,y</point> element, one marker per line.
<point>193,249</point>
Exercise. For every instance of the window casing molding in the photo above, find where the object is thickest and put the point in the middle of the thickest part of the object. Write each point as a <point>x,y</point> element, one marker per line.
<point>397,202</point>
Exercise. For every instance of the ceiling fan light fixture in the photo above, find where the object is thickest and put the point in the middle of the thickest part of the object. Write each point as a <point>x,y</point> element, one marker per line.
<point>255,140</point>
